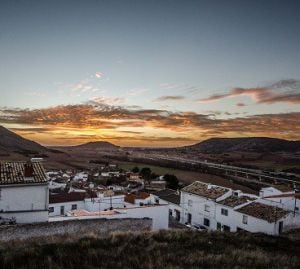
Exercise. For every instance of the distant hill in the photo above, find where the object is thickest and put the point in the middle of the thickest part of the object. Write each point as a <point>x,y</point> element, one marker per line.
<point>11,142</point>
<point>96,145</point>
<point>248,144</point>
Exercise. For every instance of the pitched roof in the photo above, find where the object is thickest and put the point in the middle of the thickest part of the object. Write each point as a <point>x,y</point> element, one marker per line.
<point>168,195</point>
<point>234,201</point>
<point>205,190</point>
<point>15,173</point>
<point>265,212</point>
<point>131,197</point>
<point>64,197</point>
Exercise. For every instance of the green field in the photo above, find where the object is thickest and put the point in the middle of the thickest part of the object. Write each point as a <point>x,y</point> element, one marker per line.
<point>155,169</point>
<point>188,177</point>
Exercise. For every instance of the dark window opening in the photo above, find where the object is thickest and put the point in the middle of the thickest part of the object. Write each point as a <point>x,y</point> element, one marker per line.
<point>206,222</point>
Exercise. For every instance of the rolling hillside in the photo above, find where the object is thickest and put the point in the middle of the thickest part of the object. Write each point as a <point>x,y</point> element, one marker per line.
<point>11,142</point>
<point>96,145</point>
<point>249,144</point>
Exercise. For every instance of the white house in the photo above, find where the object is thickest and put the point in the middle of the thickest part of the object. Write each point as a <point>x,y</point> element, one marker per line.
<point>81,176</point>
<point>170,198</point>
<point>61,203</point>
<point>157,213</point>
<point>217,208</point>
<point>139,198</point>
<point>23,192</point>
<point>198,203</point>
<point>287,200</point>
<point>246,213</point>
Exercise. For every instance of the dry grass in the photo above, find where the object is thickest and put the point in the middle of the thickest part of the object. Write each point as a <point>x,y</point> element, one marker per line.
<point>165,249</point>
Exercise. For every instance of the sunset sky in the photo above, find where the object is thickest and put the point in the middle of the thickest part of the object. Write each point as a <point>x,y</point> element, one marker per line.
<point>149,73</point>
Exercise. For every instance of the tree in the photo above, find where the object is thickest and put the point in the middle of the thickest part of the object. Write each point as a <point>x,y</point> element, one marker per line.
<point>135,169</point>
<point>146,173</point>
<point>172,181</point>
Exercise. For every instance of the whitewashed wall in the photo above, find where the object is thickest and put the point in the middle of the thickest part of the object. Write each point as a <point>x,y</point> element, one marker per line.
<point>28,217</point>
<point>26,203</point>
<point>67,207</point>
<point>197,209</point>
<point>158,213</point>
<point>102,203</point>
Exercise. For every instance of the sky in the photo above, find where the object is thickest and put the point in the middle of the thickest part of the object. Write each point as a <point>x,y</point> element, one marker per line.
<point>149,73</point>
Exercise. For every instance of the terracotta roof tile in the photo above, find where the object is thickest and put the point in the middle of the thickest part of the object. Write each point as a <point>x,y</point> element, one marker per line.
<point>169,195</point>
<point>234,201</point>
<point>14,173</point>
<point>205,190</point>
<point>264,212</point>
<point>66,197</point>
<point>131,197</point>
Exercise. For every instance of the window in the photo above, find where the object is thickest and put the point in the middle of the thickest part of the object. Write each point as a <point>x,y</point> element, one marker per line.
<point>224,211</point>
<point>206,222</point>
<point>51,209</point>
<point>245,219</point>
<point>0,194</point>
<point>190,202</point>
<point>74,207</point>
<point>226,228</point>
<point>170,212</point>
<point>206,208</point>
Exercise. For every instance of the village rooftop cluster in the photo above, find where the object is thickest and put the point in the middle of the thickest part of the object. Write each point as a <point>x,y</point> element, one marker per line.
<point>29,194</point>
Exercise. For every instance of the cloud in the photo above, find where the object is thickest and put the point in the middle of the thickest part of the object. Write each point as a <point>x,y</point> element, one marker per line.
<point>95,116</point>
<point>88,84</point>
<point>136,92</point>
<point>99,100</point>
<point>240,104</point>
<point>186,88</point>
<point>169,98</point>
<point>264,95</point>
<point>98,74</point>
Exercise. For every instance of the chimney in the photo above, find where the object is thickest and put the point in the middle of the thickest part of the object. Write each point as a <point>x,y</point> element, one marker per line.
<point>28,170</point>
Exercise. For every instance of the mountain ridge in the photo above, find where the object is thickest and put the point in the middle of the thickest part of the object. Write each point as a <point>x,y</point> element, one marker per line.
<point>250,144</point>
<point>12,142</point>
<point>97,145</point>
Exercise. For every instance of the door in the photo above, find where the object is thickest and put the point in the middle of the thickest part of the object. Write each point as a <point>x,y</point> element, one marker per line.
<point>189,220</point>
<point>226,228</point>
<point>280,227</point>
<point>62,210</point>
<point>177,212</point>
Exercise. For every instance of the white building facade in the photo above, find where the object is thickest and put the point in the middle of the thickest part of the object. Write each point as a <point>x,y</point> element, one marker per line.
<point>23,192</point>
<point>217,208</point>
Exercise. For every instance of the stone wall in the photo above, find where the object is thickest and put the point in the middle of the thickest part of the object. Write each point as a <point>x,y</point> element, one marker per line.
<point>78,228</point>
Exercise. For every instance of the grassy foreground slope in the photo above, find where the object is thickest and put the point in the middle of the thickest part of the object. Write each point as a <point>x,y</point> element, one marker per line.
<point>165,249</point>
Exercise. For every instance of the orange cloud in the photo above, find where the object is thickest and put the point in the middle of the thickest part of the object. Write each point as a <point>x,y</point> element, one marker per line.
<point>96,120</point>
<point>266,95</point>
